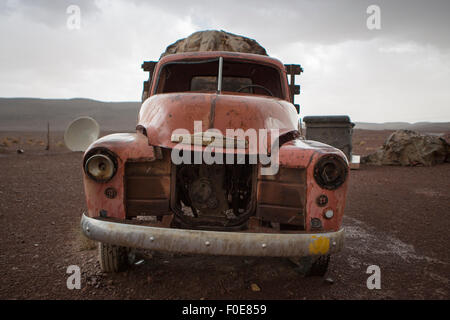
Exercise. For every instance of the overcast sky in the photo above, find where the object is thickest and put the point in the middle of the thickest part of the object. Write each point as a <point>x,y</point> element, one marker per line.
<point>400,72</point>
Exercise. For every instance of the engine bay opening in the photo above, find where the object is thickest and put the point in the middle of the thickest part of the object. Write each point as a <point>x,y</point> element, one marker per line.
<point>220,196</point>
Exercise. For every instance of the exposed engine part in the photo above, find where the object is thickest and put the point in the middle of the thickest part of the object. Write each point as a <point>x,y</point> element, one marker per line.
<point>207,193</point>
<point>214,194</point>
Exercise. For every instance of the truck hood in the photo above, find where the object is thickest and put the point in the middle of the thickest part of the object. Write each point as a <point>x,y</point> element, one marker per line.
<point>162,114</point>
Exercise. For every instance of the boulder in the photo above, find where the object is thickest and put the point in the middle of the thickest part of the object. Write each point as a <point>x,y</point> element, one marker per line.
<point>213,40</point>
<point>410,148</point>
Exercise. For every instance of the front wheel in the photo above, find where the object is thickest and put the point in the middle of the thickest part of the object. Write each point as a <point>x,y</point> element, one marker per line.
<point>320,266</point>
<point>114,258</point>
<point>312,266</point>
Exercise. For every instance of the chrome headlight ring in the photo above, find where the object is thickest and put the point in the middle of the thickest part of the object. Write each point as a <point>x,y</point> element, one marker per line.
<point>100,165</point>
<point>330,172</point>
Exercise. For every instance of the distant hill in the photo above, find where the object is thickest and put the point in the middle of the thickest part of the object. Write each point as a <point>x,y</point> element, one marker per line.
<point>29,114</point>
<point>418,126</point>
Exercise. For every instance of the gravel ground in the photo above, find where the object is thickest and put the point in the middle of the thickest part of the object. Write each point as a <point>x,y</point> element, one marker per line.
<point>396,218</point>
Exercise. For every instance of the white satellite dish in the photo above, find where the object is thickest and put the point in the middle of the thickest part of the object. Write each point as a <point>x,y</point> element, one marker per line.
<point>81,133</point>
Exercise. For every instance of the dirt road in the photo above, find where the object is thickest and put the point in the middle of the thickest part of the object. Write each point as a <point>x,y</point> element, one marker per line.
<point>396,218</point>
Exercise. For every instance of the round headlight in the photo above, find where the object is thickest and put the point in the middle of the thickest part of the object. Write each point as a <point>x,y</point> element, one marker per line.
<point>100,167</point>
<point>330,172</point>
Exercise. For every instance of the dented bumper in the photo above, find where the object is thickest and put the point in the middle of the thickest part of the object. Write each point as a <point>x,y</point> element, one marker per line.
<point>213,242</point>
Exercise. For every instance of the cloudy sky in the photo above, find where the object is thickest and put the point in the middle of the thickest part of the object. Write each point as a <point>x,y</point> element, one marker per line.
<point>400,72</point>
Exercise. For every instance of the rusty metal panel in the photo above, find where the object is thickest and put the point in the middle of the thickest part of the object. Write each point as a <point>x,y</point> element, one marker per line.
<point>293,68</point>
<point>162,114</point>
<point>150,168</point>
<point>149,66</point>
<point>282,197</point>
<point>288,175</point>
<point>153,207</point>
<point>147,188</point>
<point>281,194</point>
<point>282,214</point>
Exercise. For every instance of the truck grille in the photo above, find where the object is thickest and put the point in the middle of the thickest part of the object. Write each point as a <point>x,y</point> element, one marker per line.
<point>147,188</point>
<point>282,197</point>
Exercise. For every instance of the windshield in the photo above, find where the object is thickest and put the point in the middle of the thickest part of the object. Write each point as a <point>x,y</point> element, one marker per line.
<point>202,76</point>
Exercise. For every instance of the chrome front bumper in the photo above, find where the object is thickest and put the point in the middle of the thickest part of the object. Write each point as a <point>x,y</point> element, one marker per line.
<point>213,242</point>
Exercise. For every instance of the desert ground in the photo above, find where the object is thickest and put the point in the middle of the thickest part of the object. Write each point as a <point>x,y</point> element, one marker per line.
<point>396,218</point>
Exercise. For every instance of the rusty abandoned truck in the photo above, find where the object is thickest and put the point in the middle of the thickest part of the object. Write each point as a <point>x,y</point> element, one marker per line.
<point>139,195</point>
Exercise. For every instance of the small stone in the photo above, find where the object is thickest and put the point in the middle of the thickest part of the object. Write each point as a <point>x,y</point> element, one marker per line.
<point>255,287</point>
<point>138,263</point>
<point>329,280</point>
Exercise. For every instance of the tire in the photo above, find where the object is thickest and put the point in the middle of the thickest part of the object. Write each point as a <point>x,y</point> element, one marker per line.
<point>319,267</point>
<point>312,266</point>
<point>114,258</point>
